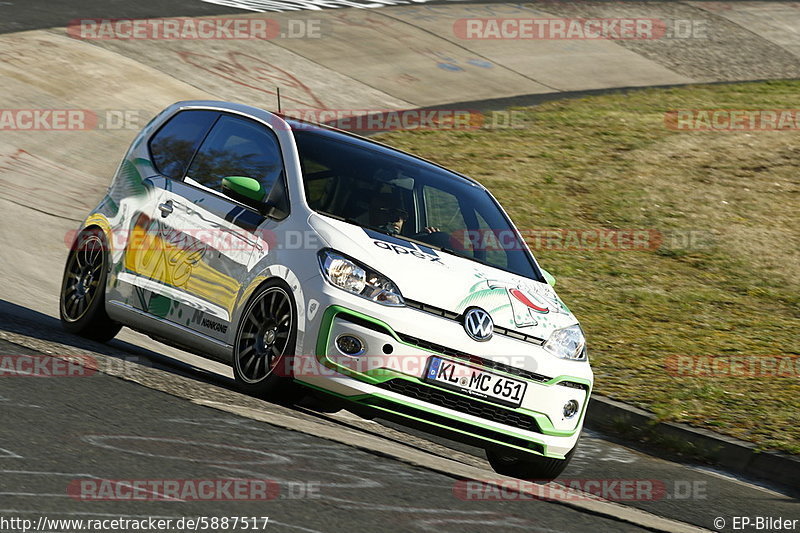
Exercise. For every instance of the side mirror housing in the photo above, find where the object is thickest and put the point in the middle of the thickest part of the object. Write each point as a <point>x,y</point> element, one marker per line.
<point>248,191</point>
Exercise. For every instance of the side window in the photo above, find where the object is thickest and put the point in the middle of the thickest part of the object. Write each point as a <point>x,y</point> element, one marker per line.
<point>173,146</point>
<point>237,147</point>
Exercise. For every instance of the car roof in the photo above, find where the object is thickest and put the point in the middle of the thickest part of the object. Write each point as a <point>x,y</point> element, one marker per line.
<point>332,133</point>
<point>319,129</point>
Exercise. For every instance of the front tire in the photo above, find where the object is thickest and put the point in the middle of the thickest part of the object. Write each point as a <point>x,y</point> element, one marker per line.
<point>82,305</point>
<point>265,344</point>
<point>528,467</point>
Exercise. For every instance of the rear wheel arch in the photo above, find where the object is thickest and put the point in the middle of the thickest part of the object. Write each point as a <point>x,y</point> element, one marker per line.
<point>85,281</point>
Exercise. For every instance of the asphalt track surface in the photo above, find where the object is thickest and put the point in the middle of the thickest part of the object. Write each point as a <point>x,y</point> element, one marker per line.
<point>54,431</point>
<point>113,426</point>
<point>99,427</point>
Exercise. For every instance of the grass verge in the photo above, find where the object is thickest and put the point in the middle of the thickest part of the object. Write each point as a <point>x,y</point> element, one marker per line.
<point>723,281</point>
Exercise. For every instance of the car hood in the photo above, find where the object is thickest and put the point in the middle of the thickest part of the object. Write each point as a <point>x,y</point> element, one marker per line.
<point>449,282</point>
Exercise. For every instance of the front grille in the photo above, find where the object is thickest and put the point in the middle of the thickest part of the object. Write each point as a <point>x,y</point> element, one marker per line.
<point>433,347</point>
<point>438,311</point>
<point>446,422</point>
<point>444,350</point>
<point>474,359</point>
<point>441,398</point>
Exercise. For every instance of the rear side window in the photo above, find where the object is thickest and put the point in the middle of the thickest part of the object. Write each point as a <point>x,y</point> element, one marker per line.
<point>173,146</point>
<point>237,147</point>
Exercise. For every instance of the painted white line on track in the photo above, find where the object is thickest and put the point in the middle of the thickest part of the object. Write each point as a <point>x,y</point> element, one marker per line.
<point>261,6</point>
<point>406,454</point>
<point>41,473</point>
<point>733,479</point>
<point>8,454</point>
<point>34,495</point>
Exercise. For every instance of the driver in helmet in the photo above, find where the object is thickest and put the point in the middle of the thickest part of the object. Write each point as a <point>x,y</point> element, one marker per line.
<point>388,215</point>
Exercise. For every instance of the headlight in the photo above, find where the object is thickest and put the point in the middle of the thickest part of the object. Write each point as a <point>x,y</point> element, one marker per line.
<point>349,275</point>
<point>567,343</point>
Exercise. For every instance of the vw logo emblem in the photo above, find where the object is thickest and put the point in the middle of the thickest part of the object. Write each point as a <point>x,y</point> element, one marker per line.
<point>478,324</point>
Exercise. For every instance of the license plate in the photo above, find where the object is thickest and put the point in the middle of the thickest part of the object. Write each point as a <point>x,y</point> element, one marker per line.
<point>475,381</point>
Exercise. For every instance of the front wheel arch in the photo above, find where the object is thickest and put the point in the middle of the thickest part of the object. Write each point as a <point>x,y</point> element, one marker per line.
<point>278,384</point>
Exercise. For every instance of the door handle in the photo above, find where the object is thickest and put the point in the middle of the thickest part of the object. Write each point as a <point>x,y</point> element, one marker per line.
<point>166,208</point>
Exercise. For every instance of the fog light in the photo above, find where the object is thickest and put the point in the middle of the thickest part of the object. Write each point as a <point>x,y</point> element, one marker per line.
<point>349,345</point>
<point>570,409</point>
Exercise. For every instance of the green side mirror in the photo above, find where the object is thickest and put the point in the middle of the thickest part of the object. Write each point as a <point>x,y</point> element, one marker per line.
<point>548,277</point>
<point>251,192</point>
<point>242,186</point>
<point>246,190</point>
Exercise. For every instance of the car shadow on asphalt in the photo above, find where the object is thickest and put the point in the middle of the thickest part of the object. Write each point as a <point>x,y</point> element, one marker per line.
<point>21,320</point>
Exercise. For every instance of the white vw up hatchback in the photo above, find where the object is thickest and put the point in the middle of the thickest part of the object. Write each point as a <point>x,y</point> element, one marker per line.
<point>300,254</point>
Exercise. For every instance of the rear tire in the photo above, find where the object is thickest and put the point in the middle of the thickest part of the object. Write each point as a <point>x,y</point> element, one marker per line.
<point>528,467</point>
<point>82,305</point>
<point>265,344</point>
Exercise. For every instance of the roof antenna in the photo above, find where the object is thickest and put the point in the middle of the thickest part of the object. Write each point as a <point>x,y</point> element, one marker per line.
<point>279,98</point>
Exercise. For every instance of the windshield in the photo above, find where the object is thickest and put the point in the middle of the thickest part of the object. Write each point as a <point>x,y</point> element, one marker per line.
<point>387,191</point>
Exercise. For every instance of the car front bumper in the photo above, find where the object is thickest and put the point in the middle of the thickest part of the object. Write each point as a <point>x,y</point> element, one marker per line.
<point>388,378</point>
